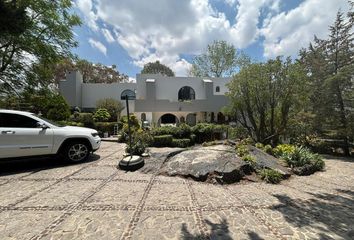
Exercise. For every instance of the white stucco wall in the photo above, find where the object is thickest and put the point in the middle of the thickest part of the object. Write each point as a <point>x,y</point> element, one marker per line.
<point>91,93</point>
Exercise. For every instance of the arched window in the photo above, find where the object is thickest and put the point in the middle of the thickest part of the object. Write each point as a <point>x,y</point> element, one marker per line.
<point>129,93</point>
<point>217,89</point>
<point>186,93</point>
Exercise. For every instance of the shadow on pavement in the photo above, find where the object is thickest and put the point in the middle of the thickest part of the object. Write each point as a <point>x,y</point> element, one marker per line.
<point>325,213</point>
<point>16,166</point>
<point>218,231</point>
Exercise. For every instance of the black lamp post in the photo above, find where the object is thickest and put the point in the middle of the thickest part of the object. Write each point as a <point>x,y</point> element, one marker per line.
<point>129,133</point>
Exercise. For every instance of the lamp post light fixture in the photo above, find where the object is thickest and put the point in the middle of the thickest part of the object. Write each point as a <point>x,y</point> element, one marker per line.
<point>130,162</point>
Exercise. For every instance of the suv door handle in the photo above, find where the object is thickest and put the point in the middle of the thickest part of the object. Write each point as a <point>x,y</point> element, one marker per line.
<point>8,132</point>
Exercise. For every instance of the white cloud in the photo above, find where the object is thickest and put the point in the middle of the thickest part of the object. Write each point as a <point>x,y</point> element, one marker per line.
<point>98,45</point>
<point>108,35</point>
<point>86,8</point>
<point>164,30</point>
<point>286,32</point>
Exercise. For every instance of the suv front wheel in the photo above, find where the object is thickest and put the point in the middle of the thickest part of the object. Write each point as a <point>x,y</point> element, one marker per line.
<point>76,151</point>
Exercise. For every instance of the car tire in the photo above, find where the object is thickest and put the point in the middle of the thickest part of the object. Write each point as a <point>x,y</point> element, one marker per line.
<point>75,151</point>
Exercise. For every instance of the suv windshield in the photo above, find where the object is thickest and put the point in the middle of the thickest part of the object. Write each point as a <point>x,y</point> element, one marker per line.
<point>50,121</point>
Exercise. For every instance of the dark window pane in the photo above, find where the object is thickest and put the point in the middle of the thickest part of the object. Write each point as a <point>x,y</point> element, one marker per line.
<point>16,121</point>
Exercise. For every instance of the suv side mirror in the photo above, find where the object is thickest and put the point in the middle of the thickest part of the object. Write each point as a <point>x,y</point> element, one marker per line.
<point>42,125</point>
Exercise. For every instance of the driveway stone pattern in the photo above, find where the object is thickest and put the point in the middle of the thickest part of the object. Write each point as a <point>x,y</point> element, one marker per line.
<point>46,199</point>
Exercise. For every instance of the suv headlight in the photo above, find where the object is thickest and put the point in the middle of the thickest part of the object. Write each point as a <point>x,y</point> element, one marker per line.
<point>94,134</point>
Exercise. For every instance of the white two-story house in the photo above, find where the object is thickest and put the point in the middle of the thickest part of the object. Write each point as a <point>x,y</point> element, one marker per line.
<point>157,99</point>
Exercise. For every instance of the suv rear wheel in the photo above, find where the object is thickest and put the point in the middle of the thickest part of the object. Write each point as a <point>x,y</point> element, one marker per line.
<point>76,151</point>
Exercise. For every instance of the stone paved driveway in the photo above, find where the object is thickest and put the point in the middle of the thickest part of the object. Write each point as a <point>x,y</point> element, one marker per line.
<point>45,199</point>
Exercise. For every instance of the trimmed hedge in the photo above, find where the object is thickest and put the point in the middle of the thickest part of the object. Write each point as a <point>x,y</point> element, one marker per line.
<point>206,132</point>
<point>182,131</point>
<point>163,141</point>
<point>181,143</point>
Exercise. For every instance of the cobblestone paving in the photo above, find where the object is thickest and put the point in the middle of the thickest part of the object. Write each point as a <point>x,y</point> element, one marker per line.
<point>46,199</point>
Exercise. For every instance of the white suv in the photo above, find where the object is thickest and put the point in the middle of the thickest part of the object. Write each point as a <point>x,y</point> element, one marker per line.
<point>24,134</point>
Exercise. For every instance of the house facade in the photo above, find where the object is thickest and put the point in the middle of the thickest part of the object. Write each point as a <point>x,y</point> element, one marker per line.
<point>157,99</point>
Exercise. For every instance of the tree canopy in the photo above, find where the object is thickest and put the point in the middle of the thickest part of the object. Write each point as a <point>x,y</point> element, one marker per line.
<point>92,72</point>
<point>264,96</point>
<point>219,60</point>
<point>157,68</point>
<point>42,33</point>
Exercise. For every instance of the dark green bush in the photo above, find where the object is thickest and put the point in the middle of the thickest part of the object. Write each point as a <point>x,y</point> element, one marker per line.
<point>103,127</point>
<point>101,115</point>
<point>163,141</point>
<point>181,143</point>
<point>86,119</point>
<point>138,145</point>
<point>183,131</point>
<point>249,159</point>
<point>206,132</point>
<point>58,109</point>
<point>303,161</point>
<point>237,132</point>
<point>270,176</point>
<point>241,150</point>
<point>192,138</point>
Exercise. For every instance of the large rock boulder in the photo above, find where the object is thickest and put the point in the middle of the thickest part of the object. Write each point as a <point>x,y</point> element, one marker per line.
<point>265,160</point>
<point>217,163</point>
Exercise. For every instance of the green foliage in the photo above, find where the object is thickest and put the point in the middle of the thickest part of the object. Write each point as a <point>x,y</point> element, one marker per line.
<point>70,123</point>
<point>163,141</point>
<point>268,149</point>
<point>303,161</point>
<point>181,143</point>
<point>267,95</point>
<point>249,159</point>
<point>113,106</point>
<point>283,149</point>
<point>157,68</point>
<point>139,144</point>
<point>206,132</point>
<point>43,30</point>
<point>91,72</point>
<point>237,132</point>
<point>270,176</point>
<point>220,60</point>
<point>103,127</point>
<point>101,115</point>
<point>242,150</point>
<point>259,145</point>
<point>58,109</point>
<point>134,123</point>
<point>86,119</point>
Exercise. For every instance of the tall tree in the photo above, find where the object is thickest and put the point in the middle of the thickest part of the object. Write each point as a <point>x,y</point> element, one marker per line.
<point>46,37</point>
<point>330,64</point>
<point>157,68</point>
<point>265,96</point>
<point>220,60</point>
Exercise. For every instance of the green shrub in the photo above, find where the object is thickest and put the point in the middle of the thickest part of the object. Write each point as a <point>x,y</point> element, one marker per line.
<point>113,106</point>
<point>163,141</point>
<point>58,109</point>
<point>103,127</point>
<point>259,145</point>
<point>86,119</point>
<point>184,131</point>
<point>138,145</point>
<point>303,161</point>
<point>270,176</point>
<point>237,132</point>
<point>241,150</point>
<point>249,159</point>
<point>101,115</point>
<point>268,149</point>
<point>192,138</point>
<point>181,143</point>
<point>134,123</point>
<point>70,123</point>
<point>282,149</point>
<point>206,132</point>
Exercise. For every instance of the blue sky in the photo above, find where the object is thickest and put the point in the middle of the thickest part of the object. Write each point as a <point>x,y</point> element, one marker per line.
<point>130,33</point>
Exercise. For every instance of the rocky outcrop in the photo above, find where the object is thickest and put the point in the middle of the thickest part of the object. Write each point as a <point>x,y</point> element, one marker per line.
<point>216,164</point>
<point>265,160</point>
